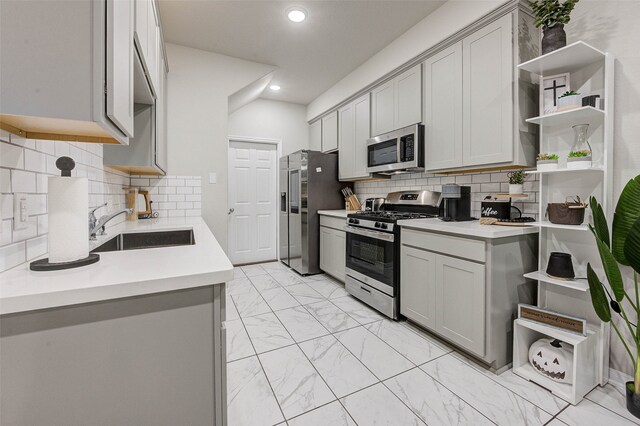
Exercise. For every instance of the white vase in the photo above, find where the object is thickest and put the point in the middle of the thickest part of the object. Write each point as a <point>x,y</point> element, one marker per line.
<point>569,102</point>
<point>579,163</point>
<point>546,165</point>
<point>516,189</point>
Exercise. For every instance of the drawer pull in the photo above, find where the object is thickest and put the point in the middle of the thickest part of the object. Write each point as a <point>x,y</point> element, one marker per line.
<point>365,289</point>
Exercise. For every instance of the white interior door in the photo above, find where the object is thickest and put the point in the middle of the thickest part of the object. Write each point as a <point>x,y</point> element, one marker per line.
<point>252,202</point>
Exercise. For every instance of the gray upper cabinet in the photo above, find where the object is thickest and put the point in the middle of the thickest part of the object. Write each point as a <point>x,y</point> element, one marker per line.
<point>147,150</point>
<point>315,136</point>
<point>487,81</point>
<point>120,50</point>
<point>475,103</point>
<point>73,80</point>
<point>147,38</point>
<point>354,124</point>
<point>443,109</point>
<point>382,109</point>
<point>330,132</point>
<point>398,102</point>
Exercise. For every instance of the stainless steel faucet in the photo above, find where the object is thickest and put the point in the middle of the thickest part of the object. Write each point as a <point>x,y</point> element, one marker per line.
<point>96,226</point>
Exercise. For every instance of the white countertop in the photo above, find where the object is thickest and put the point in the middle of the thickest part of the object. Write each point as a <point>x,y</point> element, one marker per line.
<point>334,213</point>
<point>468,228</point>
<point>121,273</point>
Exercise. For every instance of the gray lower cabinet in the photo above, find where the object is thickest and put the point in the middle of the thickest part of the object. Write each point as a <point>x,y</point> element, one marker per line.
<point>157,359</point>
<point>466,289</point>
<point>333,246</point>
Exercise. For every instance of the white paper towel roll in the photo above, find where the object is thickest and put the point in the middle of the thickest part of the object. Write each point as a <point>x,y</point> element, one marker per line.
<point>68,209</point>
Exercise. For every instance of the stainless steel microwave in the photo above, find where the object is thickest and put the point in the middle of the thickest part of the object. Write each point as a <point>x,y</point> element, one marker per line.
<point>399,151</point>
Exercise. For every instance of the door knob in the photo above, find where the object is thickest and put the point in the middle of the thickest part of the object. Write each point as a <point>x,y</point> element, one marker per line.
<point>231,210</point>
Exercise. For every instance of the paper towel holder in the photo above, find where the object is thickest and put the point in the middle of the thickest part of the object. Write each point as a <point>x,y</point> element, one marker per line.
<point>65,165</point>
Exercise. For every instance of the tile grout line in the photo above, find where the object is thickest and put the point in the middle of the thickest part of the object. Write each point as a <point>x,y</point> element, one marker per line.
<point>470,363</point>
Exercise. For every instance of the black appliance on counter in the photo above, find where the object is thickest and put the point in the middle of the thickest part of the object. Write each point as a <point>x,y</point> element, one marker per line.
<point>373,248</point>
<point>457,203</point>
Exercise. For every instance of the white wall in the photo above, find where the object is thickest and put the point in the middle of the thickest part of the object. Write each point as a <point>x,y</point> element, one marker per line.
<point>264,118</point>
<point>448,19</point>
<point>612,26</point>
<point>199,85</point>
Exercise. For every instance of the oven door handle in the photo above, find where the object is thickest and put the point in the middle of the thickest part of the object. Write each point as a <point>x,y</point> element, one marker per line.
<point>384,236</point>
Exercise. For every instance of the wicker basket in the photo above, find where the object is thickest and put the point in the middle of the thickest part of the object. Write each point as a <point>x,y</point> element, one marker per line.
<point>566,213</point>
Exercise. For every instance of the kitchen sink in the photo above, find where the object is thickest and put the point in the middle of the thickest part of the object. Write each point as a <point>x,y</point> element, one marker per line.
<point>144,240</point>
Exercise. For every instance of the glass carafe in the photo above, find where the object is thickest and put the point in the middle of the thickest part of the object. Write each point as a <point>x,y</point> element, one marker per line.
<point>581,141</point>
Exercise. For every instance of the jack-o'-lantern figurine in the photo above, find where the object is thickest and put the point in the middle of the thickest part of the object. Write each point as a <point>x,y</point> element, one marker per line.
<point>553,359</point>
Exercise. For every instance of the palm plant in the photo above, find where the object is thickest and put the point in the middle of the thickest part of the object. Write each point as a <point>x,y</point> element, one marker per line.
<point>623,248</point>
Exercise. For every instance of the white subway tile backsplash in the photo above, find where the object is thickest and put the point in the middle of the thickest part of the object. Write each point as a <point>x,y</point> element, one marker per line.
<point>481,184</point>
<point>184,190</point>
<point>35,161</point>
<point>5,236</point>
<point>22,181</point>
<point>12,255</point>
<point>11,156</point>
<point>36,247</point>
<point>5,181</point>
<point>6,206</point>
<point>167,190</point>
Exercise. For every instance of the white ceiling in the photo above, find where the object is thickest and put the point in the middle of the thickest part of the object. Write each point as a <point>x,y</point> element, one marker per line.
<point>311,56</point>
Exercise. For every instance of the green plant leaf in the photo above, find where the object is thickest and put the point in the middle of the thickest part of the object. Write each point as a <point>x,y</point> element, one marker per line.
<point>598,296</point>
<point>600,221</point>
<point>632,247</point>
<point>611,269</point>
<point>627,213</point>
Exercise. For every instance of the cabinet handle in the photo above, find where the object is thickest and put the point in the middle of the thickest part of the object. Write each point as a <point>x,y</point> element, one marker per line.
<point>231,210</point>
<point>365,289</point>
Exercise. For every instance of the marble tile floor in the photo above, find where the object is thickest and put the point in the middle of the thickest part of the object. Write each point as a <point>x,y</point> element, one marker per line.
<point>301,351</point>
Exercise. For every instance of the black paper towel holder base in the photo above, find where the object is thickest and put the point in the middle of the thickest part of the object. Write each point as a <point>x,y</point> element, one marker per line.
<point>45,265</point>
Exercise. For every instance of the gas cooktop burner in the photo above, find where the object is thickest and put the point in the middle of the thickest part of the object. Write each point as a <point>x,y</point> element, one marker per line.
<point>390,215</point>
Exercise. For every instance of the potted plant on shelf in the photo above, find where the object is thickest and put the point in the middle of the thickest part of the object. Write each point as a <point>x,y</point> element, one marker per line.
<point>546,162</point>
<point>569,100</point>
<point>624,249</point>
<point>552,15</point>
<point>516,181</point>
<point>579,160</point>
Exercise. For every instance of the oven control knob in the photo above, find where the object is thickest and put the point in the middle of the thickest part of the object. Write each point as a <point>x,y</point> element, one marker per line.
<point>354,221</point>
<point>377,225</point>
<point>383,225</point>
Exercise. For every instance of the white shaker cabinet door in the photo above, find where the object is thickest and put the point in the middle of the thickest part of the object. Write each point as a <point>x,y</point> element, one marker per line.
<point>488,78</point>
<point>362,134</point>
<point>418,286</point>
<point>120,23</point>
<point>443,109</point>
<point>346,141</point>
<point>315,136</point>
<point>339,254</point>
<point>142,26</point>
<point>383,109</point>
<point>408,101</point>
<point>325,248</point>
<point>460,297</point>
<point>330,132</point>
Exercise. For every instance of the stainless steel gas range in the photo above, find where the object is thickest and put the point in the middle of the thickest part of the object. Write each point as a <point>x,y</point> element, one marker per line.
<point>373,248</point>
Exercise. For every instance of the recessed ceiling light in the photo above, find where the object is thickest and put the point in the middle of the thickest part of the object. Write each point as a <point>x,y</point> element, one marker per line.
<point>274,87</point>
<point>296,15</point>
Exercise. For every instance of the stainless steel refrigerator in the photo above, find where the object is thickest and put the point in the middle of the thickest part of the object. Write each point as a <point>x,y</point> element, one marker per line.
<point>308,183</point>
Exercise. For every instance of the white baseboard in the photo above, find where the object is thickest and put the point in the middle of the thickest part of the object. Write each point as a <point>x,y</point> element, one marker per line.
<point>618,378</point>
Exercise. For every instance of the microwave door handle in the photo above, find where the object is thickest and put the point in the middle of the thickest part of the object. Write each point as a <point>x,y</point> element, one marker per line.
<point>399,150</point>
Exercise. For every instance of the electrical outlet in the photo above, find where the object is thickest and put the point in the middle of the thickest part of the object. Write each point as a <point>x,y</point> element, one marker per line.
<point>20,212</point>
<point>213,177</point>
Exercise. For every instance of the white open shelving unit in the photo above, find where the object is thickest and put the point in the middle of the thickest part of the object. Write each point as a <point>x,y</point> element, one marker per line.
<point>592,72</point>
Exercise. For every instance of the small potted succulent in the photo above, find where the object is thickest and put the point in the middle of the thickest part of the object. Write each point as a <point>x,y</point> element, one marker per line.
<point>579,160</point>
<point>516,182</point>
<point>569,100</point>
<point>546,162</point>
<point>552,15</point>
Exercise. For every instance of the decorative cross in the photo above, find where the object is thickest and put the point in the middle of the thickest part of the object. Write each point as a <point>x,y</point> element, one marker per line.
<point>555,88</point>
